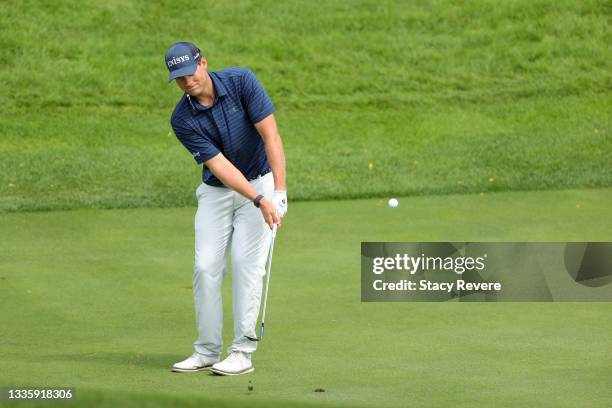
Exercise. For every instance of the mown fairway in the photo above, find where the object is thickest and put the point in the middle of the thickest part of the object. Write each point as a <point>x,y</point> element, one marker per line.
<point>101,300</point>
<point>444,96</point>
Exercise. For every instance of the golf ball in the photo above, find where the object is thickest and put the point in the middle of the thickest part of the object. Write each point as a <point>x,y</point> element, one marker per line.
<point>393,203</point>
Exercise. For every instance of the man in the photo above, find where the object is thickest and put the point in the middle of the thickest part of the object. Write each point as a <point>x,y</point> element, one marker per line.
<point>225,119</point>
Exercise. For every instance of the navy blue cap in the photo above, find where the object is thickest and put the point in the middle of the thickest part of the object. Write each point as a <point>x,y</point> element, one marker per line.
<point>182,59</point>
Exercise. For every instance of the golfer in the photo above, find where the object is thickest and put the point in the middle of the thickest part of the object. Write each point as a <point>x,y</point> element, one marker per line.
<point>226,121</point>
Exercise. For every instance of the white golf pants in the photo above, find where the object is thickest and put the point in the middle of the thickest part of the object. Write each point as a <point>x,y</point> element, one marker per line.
<point>226,220</point>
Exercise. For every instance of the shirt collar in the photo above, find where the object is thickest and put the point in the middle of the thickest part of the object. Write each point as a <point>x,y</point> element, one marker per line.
<point>220,89</point>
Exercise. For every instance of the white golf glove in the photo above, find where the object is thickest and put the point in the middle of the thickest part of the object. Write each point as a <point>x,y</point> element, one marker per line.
<point>280,202</point>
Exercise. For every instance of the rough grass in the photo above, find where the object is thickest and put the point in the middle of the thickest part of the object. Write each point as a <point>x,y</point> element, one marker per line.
<point>440,96</point>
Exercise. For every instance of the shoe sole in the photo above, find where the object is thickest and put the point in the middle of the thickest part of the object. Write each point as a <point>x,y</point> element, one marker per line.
<point>186,370</point>
<point>219,372</point>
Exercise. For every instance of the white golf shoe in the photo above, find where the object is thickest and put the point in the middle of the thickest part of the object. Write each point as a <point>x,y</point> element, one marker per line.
<point>195,362</point>
<point>235,364</point>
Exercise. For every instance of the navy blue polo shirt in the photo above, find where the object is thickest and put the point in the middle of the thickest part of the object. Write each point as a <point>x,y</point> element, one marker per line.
<point>227,126</point>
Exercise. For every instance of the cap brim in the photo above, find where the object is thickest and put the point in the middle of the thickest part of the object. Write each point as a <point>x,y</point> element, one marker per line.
<point>189,70</point>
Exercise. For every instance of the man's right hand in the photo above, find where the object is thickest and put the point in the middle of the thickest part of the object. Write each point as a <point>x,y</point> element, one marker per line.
<point>269,212</point>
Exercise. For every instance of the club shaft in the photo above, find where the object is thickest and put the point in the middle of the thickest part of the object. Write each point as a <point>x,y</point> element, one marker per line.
<point>269,272</point>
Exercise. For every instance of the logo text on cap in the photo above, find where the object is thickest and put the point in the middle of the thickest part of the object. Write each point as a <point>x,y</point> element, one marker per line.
<point>178,60</point>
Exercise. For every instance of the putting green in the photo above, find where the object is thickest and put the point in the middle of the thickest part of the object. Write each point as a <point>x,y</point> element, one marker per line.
<point>101,300</point>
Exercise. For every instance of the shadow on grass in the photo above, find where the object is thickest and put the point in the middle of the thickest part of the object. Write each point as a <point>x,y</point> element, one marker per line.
<point>129,359</point>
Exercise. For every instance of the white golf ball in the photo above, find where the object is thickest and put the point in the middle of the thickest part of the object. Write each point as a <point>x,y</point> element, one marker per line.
<point>393,203</point>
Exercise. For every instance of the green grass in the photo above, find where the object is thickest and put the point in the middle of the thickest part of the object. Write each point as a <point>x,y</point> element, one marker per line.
<point>440,96</point>
<point>101,300</point>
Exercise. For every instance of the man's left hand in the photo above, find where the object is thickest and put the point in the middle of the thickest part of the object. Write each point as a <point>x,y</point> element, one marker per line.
<point>280,202</point>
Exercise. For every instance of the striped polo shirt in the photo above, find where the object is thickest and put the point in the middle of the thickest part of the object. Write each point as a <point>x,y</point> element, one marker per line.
<point>227,126</point>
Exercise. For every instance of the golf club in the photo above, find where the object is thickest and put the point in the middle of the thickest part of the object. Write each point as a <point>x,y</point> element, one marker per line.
<point>268,273</point>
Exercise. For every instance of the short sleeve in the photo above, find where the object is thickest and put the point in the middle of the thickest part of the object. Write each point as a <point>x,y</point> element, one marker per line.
<point>258,103</point>
<point>200,147</point>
